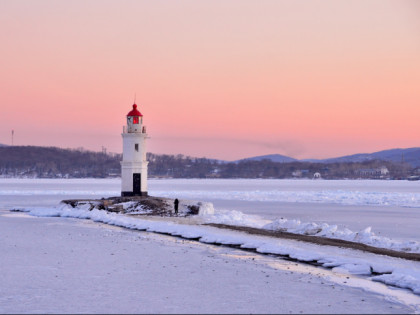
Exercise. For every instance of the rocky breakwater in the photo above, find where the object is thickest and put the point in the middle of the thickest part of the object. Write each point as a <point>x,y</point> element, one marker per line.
<point>147,205</point>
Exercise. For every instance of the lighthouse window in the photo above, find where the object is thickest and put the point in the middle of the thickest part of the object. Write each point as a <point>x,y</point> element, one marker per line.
<point>136,147</point>
<point>135,120</point>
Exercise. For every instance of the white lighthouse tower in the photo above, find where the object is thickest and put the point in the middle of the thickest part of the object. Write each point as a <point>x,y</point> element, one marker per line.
<point>134,163</point>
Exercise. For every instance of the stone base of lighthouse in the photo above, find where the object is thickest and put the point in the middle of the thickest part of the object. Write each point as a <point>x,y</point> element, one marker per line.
<point>133,179</point>
<point>132,194</point>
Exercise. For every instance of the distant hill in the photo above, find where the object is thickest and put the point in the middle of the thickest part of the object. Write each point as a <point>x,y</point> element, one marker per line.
<point>3,145</point>
<point>410,156</point>
<point>52,162</point>
<point>272,157</point>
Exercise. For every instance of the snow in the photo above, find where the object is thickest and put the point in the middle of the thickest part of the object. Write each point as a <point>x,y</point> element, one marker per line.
<point>343,192</point>
<point>58,265</point>
<point>365,236</point>
<point>363,279</point>
<point>402,274</point>
<point>388,216</point>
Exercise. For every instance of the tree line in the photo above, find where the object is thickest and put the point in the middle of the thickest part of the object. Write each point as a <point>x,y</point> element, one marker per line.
<point>53,162</point>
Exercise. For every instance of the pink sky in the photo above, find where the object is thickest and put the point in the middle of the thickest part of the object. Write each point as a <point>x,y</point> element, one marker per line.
<point>218,79</point>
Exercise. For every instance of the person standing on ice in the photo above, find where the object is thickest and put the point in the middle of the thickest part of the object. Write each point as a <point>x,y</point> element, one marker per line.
<point>176,202</point>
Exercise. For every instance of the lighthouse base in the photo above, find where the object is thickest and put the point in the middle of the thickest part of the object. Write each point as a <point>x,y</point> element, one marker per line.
<point>131,194</point>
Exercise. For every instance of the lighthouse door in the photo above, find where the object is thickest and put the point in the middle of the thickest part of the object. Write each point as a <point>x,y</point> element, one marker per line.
<point>136,183</point>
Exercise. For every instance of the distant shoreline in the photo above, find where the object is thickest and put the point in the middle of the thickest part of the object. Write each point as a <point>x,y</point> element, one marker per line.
<point>226,178</point>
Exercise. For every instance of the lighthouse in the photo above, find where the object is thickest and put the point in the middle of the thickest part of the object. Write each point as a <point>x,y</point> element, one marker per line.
<point>134,163</point>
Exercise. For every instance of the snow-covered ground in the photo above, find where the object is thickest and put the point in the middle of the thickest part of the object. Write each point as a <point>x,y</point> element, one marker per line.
<point>390,208</point>
<point>56,265</point>
<point>349,204</point>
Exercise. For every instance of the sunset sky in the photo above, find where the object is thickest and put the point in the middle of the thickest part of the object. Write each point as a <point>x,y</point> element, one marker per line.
<point>218,79</point>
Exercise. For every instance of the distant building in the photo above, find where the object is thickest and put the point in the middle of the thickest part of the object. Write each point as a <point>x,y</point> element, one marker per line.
<point>416,171</point>
<point>300,173</point>
<point>297,173</point>
<point>381,172</point>
<point>384,171</point>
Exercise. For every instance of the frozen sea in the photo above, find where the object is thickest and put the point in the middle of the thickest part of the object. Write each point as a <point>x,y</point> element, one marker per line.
<point>391,208</point>
<point>66,265</point>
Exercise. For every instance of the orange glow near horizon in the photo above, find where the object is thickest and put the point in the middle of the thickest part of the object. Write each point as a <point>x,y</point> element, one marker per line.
<point>217,79</point>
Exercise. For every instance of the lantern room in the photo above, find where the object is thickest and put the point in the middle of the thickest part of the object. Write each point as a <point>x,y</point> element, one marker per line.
<point>134,120</point>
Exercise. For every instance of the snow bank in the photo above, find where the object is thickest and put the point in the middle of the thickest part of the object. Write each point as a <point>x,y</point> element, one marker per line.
<point>402,279</point>
<point>195,207</point>
<point>365,236</point>
<point>206,212</point>
<point>401,273</point>
<point>233,217</point>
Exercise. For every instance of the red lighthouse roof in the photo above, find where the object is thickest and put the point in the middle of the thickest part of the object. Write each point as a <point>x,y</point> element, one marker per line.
<point>134,111</point>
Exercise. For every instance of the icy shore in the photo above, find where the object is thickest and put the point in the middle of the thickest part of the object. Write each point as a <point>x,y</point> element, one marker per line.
<point>56,265</point>
<point>388,270</point>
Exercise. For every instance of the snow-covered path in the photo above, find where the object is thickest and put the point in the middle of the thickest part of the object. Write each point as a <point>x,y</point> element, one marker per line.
<point>64,265</point>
